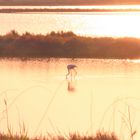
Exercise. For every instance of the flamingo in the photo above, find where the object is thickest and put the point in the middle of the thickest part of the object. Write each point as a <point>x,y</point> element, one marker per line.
<point>71,71</point>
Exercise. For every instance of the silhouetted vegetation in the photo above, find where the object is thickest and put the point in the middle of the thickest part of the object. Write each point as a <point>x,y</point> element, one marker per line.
<point>66,10</point>
<point>67,45</point>
<point>99,136</point>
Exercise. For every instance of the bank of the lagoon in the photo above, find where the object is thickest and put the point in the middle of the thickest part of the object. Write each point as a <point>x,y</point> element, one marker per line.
<point>8,10</point>
<point>67,45</point>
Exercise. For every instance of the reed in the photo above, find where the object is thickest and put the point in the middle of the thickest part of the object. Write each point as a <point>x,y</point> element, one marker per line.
<point>71,136</point>
<point>75,136</point>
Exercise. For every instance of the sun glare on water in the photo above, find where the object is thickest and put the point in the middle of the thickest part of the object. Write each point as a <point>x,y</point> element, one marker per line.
<point>134,61</point>
<point>131,7</point>
<point>94,24</point>
<point>115,24</point>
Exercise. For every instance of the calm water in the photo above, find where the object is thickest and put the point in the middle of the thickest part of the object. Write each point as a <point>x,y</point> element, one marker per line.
<point>74,7</point>
<point>36,94</point>
<point>118,24</point>
<point>36,91</point>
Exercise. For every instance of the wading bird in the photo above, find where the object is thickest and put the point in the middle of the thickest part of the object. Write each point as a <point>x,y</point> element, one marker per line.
<point>71,71</point>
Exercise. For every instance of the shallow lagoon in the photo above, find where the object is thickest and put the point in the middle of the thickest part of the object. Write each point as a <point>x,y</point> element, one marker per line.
<point>36,93</point>
<point>95,24</point>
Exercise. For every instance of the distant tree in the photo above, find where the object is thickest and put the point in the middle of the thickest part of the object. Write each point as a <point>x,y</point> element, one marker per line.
<point>12,34</point>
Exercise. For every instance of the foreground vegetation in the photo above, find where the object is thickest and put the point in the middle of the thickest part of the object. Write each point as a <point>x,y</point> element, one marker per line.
<point>68,45</point>
<point>99,136</point>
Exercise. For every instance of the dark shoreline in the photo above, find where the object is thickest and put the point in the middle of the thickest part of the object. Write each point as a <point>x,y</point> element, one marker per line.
<point>67,45</point>
<point>66,10</point>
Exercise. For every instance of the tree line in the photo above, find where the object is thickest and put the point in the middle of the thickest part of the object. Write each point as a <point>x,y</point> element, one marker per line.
<point>67,45</point>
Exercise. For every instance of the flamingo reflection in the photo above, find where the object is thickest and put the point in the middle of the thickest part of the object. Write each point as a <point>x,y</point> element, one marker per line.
<point>70,76</point>
<point>71,71</point>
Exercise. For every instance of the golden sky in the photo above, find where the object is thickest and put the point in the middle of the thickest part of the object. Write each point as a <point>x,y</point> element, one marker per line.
<point>71,2</point>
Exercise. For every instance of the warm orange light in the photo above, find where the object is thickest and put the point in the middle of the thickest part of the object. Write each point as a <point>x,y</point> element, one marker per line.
<point>114,24</point>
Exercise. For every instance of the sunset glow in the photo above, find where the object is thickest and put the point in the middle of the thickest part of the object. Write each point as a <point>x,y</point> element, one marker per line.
<point>112,7</point>
<point>112,24</point>
<point>67,71</point>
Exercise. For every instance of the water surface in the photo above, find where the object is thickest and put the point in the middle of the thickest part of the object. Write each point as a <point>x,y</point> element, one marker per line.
<point>75,7</point>
<point>95,24</point>
<point>106,91</point>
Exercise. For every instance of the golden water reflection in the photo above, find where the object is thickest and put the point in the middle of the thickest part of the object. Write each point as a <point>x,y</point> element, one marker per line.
<point>99,24</point>
<point>113,7</point>
<point>106,91</point>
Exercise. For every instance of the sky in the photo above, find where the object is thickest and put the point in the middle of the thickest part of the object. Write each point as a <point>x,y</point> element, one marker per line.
<point>72,2</point>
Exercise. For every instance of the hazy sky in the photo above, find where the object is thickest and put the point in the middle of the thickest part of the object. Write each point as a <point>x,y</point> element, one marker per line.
<point>118,1</point>
<point>107,1</point>
<point>72,2</point>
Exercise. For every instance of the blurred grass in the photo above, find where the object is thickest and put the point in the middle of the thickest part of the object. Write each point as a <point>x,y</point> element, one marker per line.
<point>98,136</point>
